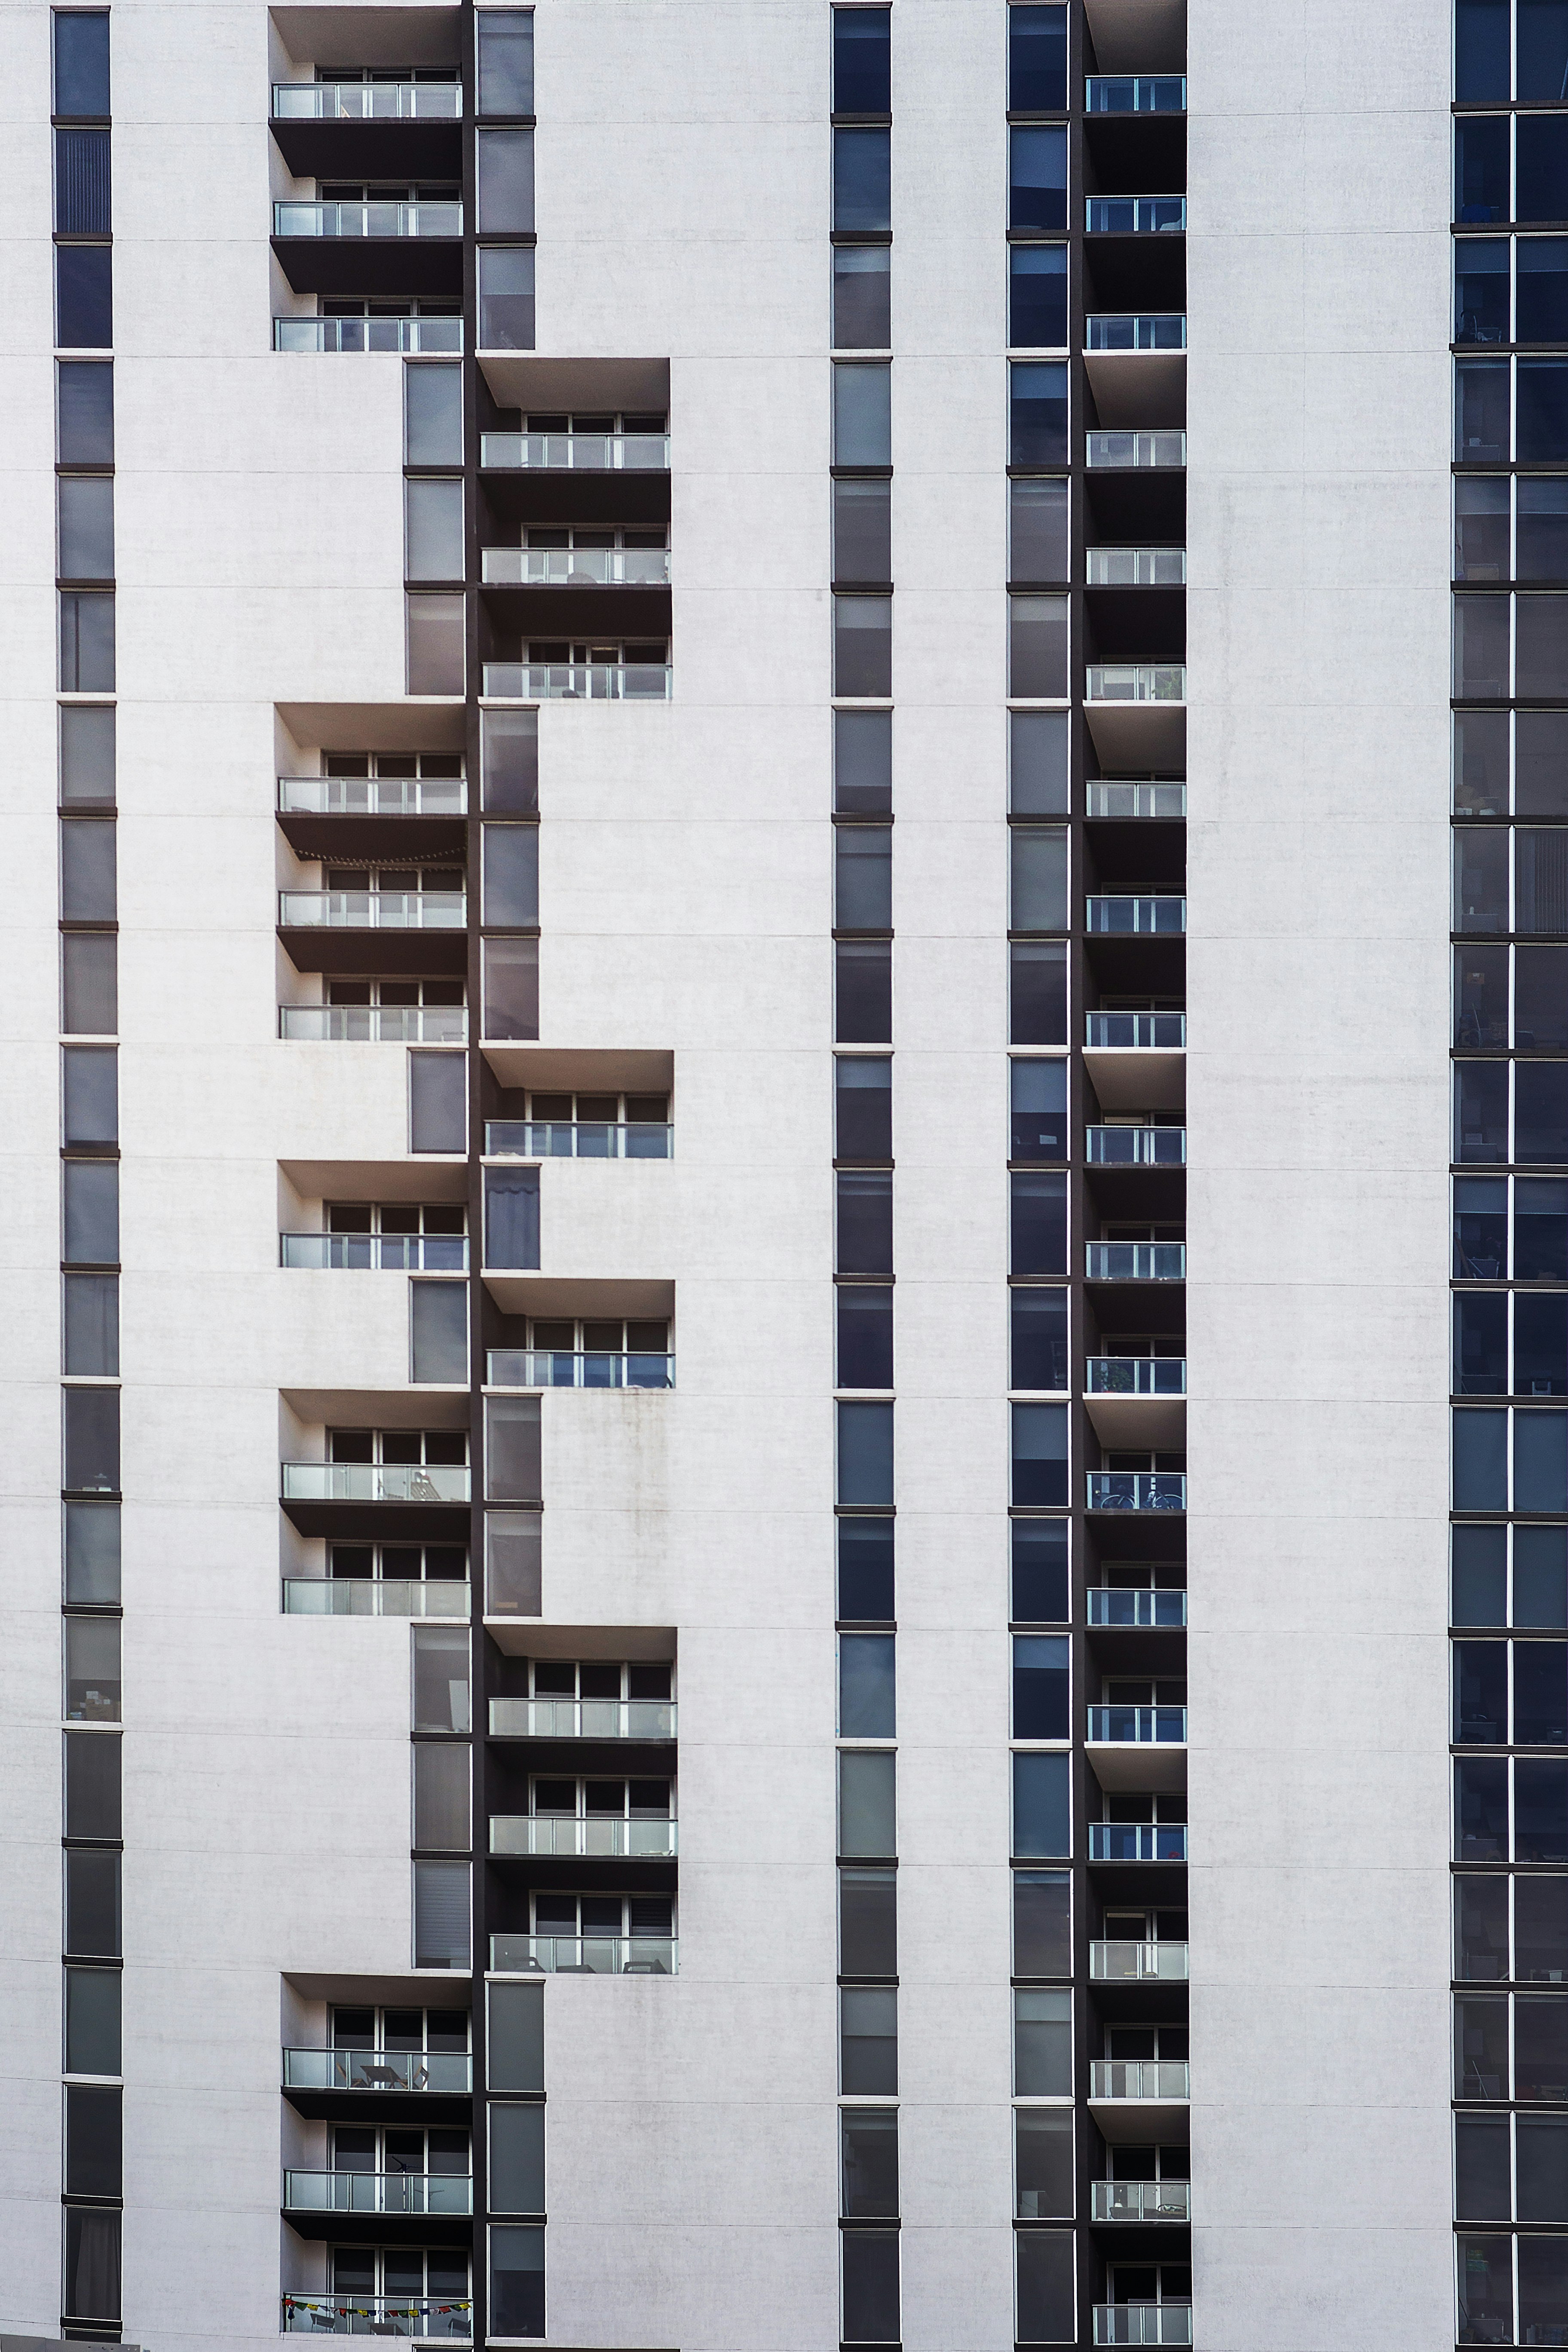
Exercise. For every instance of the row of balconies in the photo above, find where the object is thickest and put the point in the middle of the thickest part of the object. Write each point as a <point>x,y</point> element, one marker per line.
<point>1116,914</point>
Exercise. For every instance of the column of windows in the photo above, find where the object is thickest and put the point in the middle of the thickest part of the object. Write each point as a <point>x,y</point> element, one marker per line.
<point>89,1177</point>
<point>862,658</point>
<point>1509,1608</point>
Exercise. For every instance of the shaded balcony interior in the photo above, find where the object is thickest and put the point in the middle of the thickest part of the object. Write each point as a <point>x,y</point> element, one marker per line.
<point>375,1503</point>
<point>580,1779</point>
<point>573,513</point>
<point>366,150</point>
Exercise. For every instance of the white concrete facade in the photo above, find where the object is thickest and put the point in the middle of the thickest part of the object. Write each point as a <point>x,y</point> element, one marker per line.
<point>683,171</point>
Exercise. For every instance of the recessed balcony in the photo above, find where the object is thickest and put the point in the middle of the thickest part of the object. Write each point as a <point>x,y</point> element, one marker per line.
<point>434,2072</point>
<point>1136,1375</point>
<point>1137,1490</point>
<point>574,453</point>
<point>356,796</point>
<point>361,2197</point>
<point>1135,567</point>
<point>1137,1400</point>
<point>1143,2081</point>
<point>1143,2323</point>
<point>585,682</point>
<point>373,910</point>
<point>1135,93</point>
<point>376,1596</point>
<point>1136,682</point>
<point>580,1837</point>
<point>566,1368</point>
<point>1139,2200</point>
<point>377,1482</point>
<point>373,1025</point>
<point>1126,916</point>
<point>583,1718</point>
<point>294,217</point>
<point>1138,1746</point>
<point>578,1138</point>
<point>1111,796</point>
<point>1136,1147</point>
<point>375,1252</point>
<point>1135,216</point>
<point>367,101</point>
<point>424,336</point>
<point>1137,1060</point>
<point>1130,1963</point>
<point>575,567</point>
<point>1120,451</point>
<point>405,127</point>
<point>1135,330</point>
<point>1139,1033</point>
<point>1139,1608</point>
<point>433,2318</point>
<point>591,1956</point>
<point>1135,1260</point>
<point>1137,1841</point>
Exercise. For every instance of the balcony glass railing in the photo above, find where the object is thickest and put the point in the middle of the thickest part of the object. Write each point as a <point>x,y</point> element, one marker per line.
<point>378,2192</point>
<point>1121,1604</point>
<point>376,1596</point>
<point>376,1253</point>
<point>372,795</point>
<point>578,681</point>
<point>1137,1490</point>
<point>583,1718</point>
<point>1110,797</point>
<point>1137,1841</point>
<point>561,1368</point>
<point>574,567</point>
<point>376,2315</point>
<point>373,1025</point>
<point>373,910</point>
<point>1139,2200</point>
<point>1135,1260</point>
<point>577,453</point>
<point>1135,330</point>
<point>1135,216</point>
<point>1136,1147</point>
<point>1135,567</point>
<point>437,2070</point>
<point>1143,1726</point>
<point>1136,682</point>
<point>367,101</point>
<point>1122,449</point>
<point>423,336</point>
<point>1139,2078</point>
<point>592,1956</point>
<point>576,1139</point>
<point>604,1834</point>
<point>1143,2323</point>
<point>1135,93</point>
<point>1144,1376</point>
<point>1143,1031</point>
<point>1134,1963</point>
<point>293,218</point>
<point>1164,915</point>
<point>375,1482</point>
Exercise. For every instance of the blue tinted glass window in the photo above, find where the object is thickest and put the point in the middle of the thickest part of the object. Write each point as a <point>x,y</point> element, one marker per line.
<point>862,179</point>
<point>81,63</point>
<point>862,61</point>
<point>1038,413</point>
<point>1541,166</point>
<point>1037,190</point>
<point>1037,299</point>
<point>1480,49</point>
<point>1480,171</point>
<point>1541,50</point>
<point>1037,60</point>
<point>1480,290</point>
<point>1541,424</point>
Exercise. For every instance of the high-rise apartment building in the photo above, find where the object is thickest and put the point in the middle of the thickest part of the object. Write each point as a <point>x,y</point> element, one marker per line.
<point>803,1023</point>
